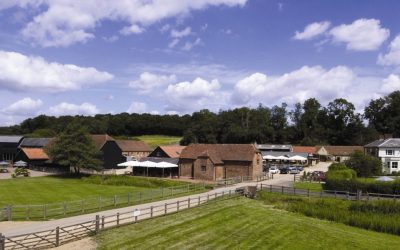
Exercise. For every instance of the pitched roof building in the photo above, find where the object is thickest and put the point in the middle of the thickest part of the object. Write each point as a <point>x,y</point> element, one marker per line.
<point>170,151</point>
<point>220,161</point>
<point>9,146</point>
<point>136,149</point>
<point>388,151</point>
<point>111,152</point>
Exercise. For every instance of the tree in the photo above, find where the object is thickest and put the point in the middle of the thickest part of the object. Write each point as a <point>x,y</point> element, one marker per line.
<point>75,148</point>
<point>364,165</point>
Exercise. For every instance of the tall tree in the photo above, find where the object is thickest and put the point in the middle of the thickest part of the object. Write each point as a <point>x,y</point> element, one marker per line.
<point>75,148</point>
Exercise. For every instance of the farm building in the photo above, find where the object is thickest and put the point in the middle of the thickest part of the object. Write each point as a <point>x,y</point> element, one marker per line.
<point>111,152</point>
<point>171,151</point>
<point>33,156</point>
<point>220,161</point>
<point>134,149</point>
<point>9,147</point>
<point>337,153</point>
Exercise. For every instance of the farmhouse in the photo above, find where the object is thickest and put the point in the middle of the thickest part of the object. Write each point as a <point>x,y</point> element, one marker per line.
<point>134,149</point>
<point>111,152</point>
<point>220,161</point>
<point>388,151</point>
<point>337,153</point>
<point>171,151</point>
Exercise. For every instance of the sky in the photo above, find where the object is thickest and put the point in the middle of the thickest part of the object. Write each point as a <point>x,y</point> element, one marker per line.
<point>65,57</point>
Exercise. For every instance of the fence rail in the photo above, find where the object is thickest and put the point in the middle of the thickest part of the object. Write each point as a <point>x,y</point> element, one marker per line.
<point>62,209</point>
<point>62,235</point>
<point>328,193</point>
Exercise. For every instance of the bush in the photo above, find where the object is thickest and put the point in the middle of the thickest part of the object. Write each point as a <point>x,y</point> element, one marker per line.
<point>20,172</point>
<point>364,165</point>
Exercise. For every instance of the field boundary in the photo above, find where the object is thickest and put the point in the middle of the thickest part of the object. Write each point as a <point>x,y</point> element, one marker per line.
<point>62,235</point>
<point>91,204</point>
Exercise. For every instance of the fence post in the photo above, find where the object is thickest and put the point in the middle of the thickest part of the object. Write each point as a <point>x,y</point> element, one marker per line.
<point>57,236</point>
<point>261,186</point>
<point>198,202</point>
<point>162,191</point>
<point>282,189</point>
<point>177,206</point>
<point>102,221</point>
<point>188,202</point>
<point>97,228</point>
<point>151,212</point>
<point>117,219</point>
<point>2,242</point>
<point>99,201</point>
<point>28,212</point>
<point>165,209</point>
<point>115,200</point>
<point>9,212</point>
<point>347,195</point>
<point>44,211</point>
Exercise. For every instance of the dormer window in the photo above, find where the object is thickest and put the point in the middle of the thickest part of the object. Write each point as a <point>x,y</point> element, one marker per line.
<point>389,152</point>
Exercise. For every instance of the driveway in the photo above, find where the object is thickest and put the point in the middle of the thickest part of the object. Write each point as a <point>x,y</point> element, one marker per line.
<point>34,173</point>
<point>17,228</point>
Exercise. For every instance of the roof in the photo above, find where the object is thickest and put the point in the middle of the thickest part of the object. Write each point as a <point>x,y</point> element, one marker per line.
<point>133,146</point>
<point>304,149</point>
<point>173,151</point>
<point>35,142</point>
<point>388,143</point>
<point>11,138</point>
<point>274,147</point>
<point>35,153</point>
<point>160,159</point>
<point>100,140</point>
<point>288,154</point>
<point>220,152</point>
<point>341,150</point>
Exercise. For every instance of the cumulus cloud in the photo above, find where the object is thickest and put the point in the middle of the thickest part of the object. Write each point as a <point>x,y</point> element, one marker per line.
<point>390,84</point>
<point>306,82</point>
<point>392,57</point>
<point>148,82</point>
<point>24,107</point>
<point>312,30</point>
<point>361,35</point>
<point>62,23</point>
<point>20,72</point>
<point>181,33</point>
<point>198,94</point>
<point>65,108</point>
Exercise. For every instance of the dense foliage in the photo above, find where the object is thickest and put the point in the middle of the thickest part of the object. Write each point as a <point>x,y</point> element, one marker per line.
<point>380,216</point>
<point>75,148</point>
<point>307,123</point>
<point>364,165</point>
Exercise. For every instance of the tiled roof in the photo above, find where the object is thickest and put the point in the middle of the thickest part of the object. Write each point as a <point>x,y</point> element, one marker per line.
<point>100,140</point>
<point>304,149</point>
<point>341,150</point>
<point>35,142</point>
<point>173,151</point>
<point>133,146</point>
<point>10,138</point>
<point>288,154</point>
<point>388,143</point>
<point>35,153</point>
<point>224,152</point>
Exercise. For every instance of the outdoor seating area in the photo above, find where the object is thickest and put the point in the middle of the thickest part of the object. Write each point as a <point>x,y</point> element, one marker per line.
<point>152,168</point>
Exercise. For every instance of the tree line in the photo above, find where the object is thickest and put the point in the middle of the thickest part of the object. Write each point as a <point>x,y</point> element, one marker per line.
<point>308,123</point>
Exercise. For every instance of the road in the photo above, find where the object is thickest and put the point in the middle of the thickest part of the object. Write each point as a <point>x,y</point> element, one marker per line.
<point>18,228</point>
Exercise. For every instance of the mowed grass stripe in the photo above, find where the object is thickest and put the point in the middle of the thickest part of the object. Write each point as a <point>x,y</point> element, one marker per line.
<point>242,224</point>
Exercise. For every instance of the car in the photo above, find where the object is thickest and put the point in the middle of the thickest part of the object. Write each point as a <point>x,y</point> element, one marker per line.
<point>294,170</point>
<point>300,168</point>
<point>284,170</point>
<point>274,170</point>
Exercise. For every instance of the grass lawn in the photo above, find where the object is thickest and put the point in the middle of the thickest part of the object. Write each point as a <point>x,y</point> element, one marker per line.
<point>159,140</point>
<point>241,223</point>
<point>40,190</point>
<point>308,185</point>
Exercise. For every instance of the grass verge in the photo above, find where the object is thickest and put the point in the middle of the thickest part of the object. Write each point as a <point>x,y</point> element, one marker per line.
<point>308,185</point>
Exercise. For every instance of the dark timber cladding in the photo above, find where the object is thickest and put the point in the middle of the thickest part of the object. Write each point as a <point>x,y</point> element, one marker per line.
<point>9,147</point>
<point>111,152</point>
<point>220,161</point>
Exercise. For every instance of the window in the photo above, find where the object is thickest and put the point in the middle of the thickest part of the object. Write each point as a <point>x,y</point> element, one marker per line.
<point>395,164</point>
<point>203,168</point>
<point>389,152</point>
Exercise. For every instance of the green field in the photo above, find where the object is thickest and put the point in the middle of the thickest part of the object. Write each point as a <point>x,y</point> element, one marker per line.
<point>241,223</point>
<point>159,140</point>
<point>308,185</point>
<point>40,190</point>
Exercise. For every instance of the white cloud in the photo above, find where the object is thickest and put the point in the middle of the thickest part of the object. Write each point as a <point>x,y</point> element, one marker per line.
<point>148,82</point>
<point>173,43</point>
<point>111,39</point>
<point>390,84</point>
<point>190,45</point>
<point>195,95</point>
<point>312,30</point>
<point>392,57</point>
<point>181,33</point>
<point>165,28</point>
<point>306,82</point>
<point>65,108</point>
<point>361,35</point>
<point>21,72</point>
<point>63,23</point>
<point>137,107</point>
<point>23,107</point>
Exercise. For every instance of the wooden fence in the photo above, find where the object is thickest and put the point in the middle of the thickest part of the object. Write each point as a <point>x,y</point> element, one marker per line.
<point>62,209</point>
<point>62,235</point>
<point>328,193</point>
<point>239,179</point>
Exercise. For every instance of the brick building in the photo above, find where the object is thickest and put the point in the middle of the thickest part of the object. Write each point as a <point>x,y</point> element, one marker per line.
<point>220,161</point>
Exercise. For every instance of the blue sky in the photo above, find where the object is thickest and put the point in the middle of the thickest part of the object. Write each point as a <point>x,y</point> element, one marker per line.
<point>165,56</point>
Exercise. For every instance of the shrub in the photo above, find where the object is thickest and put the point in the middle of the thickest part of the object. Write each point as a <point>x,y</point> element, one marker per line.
<point>364,165</point>
<point>20,172</point>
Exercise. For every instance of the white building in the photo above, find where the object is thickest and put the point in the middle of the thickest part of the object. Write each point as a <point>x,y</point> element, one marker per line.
<point>388,150</point>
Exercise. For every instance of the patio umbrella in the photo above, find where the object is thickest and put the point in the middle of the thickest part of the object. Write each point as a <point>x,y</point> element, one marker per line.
<point>164,165</point>
<point>384,178</point>
<point>4,163</point>
<point>129,164</point>
<point>298,158</point>
<point>20,164</point>
<point>269,157</point>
